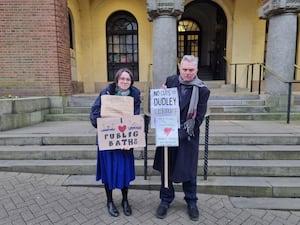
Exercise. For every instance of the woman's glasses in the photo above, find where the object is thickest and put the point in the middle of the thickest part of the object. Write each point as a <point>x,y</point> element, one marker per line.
<point>124,79</point>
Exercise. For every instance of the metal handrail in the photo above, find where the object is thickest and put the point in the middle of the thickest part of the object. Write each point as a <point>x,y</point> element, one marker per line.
<point>146,129</point>
<point>205,164</point>
<point>248,64</point>
<point>271,72</point>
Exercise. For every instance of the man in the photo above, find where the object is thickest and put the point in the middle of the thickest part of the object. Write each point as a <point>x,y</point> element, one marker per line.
<point>183,160</point>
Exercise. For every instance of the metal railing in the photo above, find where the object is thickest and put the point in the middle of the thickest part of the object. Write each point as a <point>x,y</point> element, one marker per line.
<point>249,74</point>
<point>146,129</point>
<point>262,72</point>
<point>290,83</point>
<point>206,135</point>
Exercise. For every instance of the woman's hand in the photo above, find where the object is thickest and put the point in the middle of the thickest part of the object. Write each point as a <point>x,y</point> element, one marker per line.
<point>126,148</point>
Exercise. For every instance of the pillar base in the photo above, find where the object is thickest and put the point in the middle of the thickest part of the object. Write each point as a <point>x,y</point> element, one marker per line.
<point>278,103</point>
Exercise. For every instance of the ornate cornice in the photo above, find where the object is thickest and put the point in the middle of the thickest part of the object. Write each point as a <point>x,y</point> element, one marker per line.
<point>156,8</point>
<point>275,7</point>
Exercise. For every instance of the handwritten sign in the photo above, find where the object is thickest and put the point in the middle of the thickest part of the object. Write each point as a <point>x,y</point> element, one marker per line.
<point>116,106</point>
<point>165,117</point>
<point>121,132</point>
<point>164,102</point>
<point>166,131</point>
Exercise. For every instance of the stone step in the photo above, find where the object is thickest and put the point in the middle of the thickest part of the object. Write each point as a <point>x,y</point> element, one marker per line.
<point>222,106</point>
<point>82,103</point>
<point>276,187</point>
<point>268,116</point>
<point>77,110</point>
<point>81,100</point>
<point>250,158</point>
<point>67,117</point>
<point>234,97</point>
<point>86,100</point>
<point>251,168</point>
<point>213,116</point>
<point>230,106</point>
<point>75,152</point>
<point>238,109</point>
<point>226,99</point>
<point>214,139</point>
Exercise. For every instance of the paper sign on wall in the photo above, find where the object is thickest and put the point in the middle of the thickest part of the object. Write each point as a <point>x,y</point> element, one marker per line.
<point>120,132</point>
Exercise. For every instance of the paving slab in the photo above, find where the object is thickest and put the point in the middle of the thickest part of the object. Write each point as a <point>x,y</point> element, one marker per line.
<point>266,203</point>
<point>42,199</point>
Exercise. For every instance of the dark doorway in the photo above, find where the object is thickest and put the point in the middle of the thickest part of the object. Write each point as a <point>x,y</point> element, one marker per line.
<point>204,24</point>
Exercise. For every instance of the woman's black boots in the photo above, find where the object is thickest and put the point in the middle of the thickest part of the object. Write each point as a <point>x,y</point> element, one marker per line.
<point>112,210</point>
<point>126,207</point>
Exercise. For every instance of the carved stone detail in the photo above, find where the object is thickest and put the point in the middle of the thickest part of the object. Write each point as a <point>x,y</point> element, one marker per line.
<point>157,8</point>
<point>274,7</point>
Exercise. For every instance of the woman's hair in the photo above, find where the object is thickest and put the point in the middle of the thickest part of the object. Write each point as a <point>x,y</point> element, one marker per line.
<point>120,71</point>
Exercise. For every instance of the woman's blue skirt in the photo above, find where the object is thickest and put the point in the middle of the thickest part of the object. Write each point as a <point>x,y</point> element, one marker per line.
<point>115,168</point>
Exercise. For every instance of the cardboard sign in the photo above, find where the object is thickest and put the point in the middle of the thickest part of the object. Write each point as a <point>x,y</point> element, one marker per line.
<point>164,102</point>
<point>116,106</point>
<point>166,131</point>
<point>121,132</point>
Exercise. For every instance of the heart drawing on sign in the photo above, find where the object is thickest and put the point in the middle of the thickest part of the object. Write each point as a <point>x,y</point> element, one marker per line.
<point>122,128</point>
<point>167,130</point>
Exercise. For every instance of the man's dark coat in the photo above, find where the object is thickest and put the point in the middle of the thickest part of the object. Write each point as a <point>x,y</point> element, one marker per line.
<point>183,160</point>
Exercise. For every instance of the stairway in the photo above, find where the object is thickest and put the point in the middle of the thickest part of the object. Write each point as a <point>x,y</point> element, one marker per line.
<point>223,104</point>
<point>249,155</point>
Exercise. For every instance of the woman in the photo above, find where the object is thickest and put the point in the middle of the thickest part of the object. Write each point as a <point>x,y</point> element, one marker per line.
<point>116,167</point>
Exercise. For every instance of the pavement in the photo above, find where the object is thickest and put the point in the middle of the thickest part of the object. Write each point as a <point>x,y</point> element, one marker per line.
<point>43,199</point>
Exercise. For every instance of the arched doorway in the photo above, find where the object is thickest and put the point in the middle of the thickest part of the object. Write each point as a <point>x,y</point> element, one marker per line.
<point>209,27</point>
<point>122,43</point>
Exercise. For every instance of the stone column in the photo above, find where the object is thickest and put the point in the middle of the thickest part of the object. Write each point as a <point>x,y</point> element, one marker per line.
<point>281,45</point>
<point>164,14</point>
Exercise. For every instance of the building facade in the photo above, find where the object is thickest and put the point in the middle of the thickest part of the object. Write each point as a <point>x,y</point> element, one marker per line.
<point>64,47</point>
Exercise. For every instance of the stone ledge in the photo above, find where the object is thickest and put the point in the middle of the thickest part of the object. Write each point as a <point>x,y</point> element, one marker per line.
<point>21,112</point>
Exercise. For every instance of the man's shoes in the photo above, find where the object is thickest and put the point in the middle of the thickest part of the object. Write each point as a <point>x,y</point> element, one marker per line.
<point>112,210</point>
<point>193,212</point>
<point>126,208</point>
<point>161,211</point>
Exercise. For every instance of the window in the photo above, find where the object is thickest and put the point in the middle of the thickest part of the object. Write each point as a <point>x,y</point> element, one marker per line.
<point>122,43</point>
<point>71,30</point>
<point>188,40</point>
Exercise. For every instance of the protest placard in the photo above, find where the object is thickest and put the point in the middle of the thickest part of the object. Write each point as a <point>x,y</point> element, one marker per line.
<point>116,106</point>
<point>121,132</point>
<point>166,131</point>
<point>165,118</point>
<point>164,102</point>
